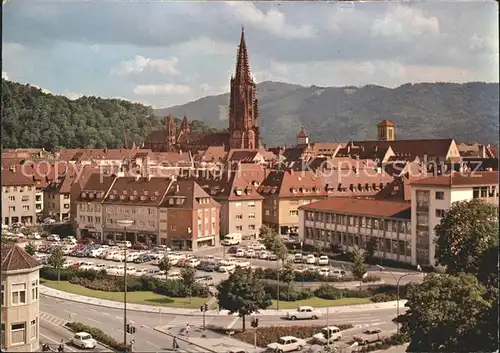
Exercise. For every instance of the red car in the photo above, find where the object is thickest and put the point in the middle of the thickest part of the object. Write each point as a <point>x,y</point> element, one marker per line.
<point>140,246</point>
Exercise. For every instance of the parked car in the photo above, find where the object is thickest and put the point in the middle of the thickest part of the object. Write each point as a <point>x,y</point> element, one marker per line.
<point>327,335</point>
<point>54,237</point>
<point>310,259</point>
<point>304,313</point>
<point>250,253</point>
<point>297,258</point>
<point>371,336</point>
<point>140,246</point>
<point>240,252</point>
<point>287,344</point>
<point>84,340</point>
<point>323,260</point>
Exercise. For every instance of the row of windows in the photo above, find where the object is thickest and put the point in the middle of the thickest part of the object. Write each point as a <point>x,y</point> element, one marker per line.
<point>24,198</point>
<point>7,189</point>
<point>249,204</point>
<point>90,219</point>
<point>250,216</point>
<point>13,208</point>
<point>401,247</point>
<point>18,293</point>
<point>90,207</point>
<point>363,222</point>
<point>250,227</point>
<point>129,210</point>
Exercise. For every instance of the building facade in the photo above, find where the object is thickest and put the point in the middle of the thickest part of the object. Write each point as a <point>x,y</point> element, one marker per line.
<point>18,198</point>
<point>349,222</point>
<point>432,197</point>
<point>20,300</point>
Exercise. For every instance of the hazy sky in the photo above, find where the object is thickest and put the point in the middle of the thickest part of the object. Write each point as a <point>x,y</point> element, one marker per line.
<point>166,53</point>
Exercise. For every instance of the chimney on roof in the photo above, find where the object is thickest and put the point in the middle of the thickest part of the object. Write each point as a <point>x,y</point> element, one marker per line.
<point>291,171</point>
<point>137,177</point>
<point>376,148</point>
<point>180,151</point>
<point>149,177</point>
<point>177,188</point>
<point>12,168</point>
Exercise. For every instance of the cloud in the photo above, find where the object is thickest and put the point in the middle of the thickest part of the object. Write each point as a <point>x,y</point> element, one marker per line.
<point>5,75</point>
<point>72,95</point>
<point>405,23</point>
<point>140,64</point>
<point>161,89</point>
<point>272,20</point>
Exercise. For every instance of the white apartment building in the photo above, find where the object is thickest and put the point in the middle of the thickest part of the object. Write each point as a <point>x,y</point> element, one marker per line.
<point>20,300</point>
<point>432,197</point>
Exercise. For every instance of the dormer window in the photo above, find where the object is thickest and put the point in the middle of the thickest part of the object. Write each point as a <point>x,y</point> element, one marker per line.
<point>99,195</point>
<point>255,183</point>
<point>238,192</point>
<point>294,190</point>
<point>156,193</point>
<point>122,197</point>
<point>134,192</point>
<point>112,197</point>
<point>153,198</point>
<point>83,195</point>
<point>248,191</point>
<point>91,195</point>
<point>143,198</point>
<point>170,201</point>
<point>146,192</point>
<point>124,192</point>
<point>131,197</point>
<point>351,187</point>
<point>115,192</point>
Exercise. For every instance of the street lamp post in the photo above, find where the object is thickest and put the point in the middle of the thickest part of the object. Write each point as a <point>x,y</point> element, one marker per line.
<point>398,279</point>
<point>125,223</point>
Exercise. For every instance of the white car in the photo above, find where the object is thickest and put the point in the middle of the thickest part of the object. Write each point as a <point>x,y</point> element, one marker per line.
<point>327,335</point>
<point>324,272</point>
<point>263,255</point>
<point>310,259</point>
<point>240,253</point>
<point>287,344</point>
<point>193,262</point>
<point>323,260</point>
<point>242,264</point>
<point>83,340</point>
<point>226,267</point>
<point>304,313</point>
<point>172,276</point>
<point>250,253</point>
<point>53,237</point>
<point>34,236</point>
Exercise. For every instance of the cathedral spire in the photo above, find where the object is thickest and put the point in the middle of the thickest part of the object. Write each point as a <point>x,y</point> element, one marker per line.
<point>242,66</point>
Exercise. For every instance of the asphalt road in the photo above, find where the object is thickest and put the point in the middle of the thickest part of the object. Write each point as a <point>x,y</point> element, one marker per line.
<point>52,333</point>
<point>55,312</point>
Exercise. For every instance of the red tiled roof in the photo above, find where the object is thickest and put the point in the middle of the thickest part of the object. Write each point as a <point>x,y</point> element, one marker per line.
<point>190,192</point>
<point>10,178</point>
<point>385,122</point>
<point>143,191</point>
<point>303,133</point>
<point>214,154</point>
<point>460,179</point>
<point>96,187</point>
<point>15,258</point>
<point>415,148</point>
<point>364,207</point>
<point>292,184</point>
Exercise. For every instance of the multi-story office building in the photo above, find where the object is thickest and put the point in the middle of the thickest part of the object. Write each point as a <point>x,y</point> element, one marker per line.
<point>20,300</point>
<point>18,198</point>
<point>432,197</point>
<point>350,222</point>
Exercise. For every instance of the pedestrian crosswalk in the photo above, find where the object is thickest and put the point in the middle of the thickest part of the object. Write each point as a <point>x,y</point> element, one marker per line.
<point>194,321</point>
<point>54,320</point>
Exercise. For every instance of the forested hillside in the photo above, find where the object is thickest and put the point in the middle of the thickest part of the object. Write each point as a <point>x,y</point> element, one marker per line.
<point>32,118</point>
<point>467,112</point>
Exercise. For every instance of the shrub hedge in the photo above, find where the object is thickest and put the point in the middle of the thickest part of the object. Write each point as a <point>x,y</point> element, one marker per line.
<point>98,335</point>
<point>395,340</point>
<point>101,281</point>
<point>310,276</point>
<point>266,335</point>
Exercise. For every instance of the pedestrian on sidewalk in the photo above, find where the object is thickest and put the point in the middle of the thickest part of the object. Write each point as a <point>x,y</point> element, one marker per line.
<point>187,330</point>
<point>175,345</point>
<point>61,346</point>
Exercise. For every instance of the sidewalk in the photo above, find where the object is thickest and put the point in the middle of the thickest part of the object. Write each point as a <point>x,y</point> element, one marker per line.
<point>50,292</point>
<point>208,341</point>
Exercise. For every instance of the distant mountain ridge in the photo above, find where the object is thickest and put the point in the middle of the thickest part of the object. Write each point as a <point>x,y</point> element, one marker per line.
<point>468,112</point>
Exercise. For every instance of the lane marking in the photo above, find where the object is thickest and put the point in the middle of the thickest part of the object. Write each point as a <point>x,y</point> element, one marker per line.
<point>144,326</point>
<point>235,320</point>
<point>57,342</point>
<point>106,314</point>
<point>97,322</point>
<point>118,317</point>
<point>152,344</point>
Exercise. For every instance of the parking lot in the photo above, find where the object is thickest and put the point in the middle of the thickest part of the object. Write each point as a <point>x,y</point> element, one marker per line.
<point>144,261</point>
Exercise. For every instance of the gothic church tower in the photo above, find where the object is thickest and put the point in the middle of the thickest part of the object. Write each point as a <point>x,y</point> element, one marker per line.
<point>243,106</point>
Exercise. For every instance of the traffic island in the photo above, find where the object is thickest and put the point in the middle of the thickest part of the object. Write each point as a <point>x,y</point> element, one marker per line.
<point>267,335</point>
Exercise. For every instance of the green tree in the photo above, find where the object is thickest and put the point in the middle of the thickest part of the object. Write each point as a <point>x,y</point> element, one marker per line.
<point>287,275</point>
<point>57,260</point>
<point>165,265</point>
<point>465,234</point>
<point>243,293</point>
<point>188,280</point>
<point>30,248</point>
<point>446,314</point>
<point>358,267</point>
<point>371,247</point>
<point>273,242</point>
